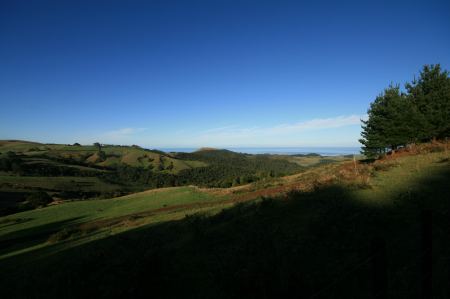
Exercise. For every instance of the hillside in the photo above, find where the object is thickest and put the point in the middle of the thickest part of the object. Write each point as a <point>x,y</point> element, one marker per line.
<point>90,156</point>
<point>312,233</point>
<point>80,172</point>
<point>74,172</point>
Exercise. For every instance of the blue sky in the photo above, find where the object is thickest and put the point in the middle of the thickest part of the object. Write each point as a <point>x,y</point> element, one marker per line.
<point>208,73</point>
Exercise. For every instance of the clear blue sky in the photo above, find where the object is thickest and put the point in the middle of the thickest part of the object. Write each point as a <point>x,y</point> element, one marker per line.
<point>212,73</point>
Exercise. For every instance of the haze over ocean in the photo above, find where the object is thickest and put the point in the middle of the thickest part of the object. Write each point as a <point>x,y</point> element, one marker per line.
<point>324,151</point>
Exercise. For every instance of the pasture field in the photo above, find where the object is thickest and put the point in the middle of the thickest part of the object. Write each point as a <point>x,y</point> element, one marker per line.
<point>115,155</point>
<point>79,172</point>
<point>385,179</point>
<point>96,215</point>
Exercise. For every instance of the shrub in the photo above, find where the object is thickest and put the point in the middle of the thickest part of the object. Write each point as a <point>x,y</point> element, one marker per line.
<point>59,236</point>
<point>38,199</point>
<point>101,156</point>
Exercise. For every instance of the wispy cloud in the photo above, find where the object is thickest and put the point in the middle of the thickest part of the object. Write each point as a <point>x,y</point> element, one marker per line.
<point>313,124</point>
<point>221,129</point>
<point>318,131</point>
<point>123,134</point>
<point>318,124</point>
<point>234,135</point>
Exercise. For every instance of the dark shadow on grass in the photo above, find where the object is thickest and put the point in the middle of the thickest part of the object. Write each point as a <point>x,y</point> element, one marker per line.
<point>29,237</point>
<point>310,245</point>
<point>444,160</point>
<point>13,221</point>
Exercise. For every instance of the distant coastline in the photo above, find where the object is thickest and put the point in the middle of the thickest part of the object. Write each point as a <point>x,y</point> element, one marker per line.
<point>323,151</point>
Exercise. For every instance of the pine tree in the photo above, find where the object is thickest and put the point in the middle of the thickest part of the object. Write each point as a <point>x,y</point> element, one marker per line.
<point>396,119</point>
<point>431,97</point>
<point>391,123</point>
<point>373,137</point>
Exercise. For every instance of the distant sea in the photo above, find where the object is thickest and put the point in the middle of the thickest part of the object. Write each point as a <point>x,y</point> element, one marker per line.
<point>324,151</point>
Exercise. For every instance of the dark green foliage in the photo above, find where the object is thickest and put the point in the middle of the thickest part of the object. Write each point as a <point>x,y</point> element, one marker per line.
<point>10,161</point>
<point>224,167</point>
<point>138,177</point>
<point>98,146</point>
<point>101,156</point>
<point>28,166</point>
<point>397,119</point>
<point>431,95</point>
<point>39,199</point>
<point>391,123</point>
<point>11,202</point>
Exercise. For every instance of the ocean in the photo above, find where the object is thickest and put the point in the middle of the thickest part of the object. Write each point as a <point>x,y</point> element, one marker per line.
<point>324,151</point>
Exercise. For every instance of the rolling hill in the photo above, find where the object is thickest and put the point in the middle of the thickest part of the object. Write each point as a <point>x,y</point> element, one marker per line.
<point>89,155</point>
<point>77,172</point>
<point>311,233</point>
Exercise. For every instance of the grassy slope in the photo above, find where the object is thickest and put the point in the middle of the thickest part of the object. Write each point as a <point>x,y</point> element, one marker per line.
<point>401,176</point>
<point>59,164</point>
<point>154,205</point>
<point>132,156</point>
<point>339,219</point>
<point>14,188</point>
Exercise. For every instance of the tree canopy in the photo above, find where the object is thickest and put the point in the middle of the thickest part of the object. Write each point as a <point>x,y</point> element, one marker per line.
<point>396,118</point>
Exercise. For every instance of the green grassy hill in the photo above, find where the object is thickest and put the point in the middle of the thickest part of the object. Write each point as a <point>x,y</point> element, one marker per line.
<point>309,235</point>
<point>82,154</point>
<point>80,221</point>
<point>76,172</point>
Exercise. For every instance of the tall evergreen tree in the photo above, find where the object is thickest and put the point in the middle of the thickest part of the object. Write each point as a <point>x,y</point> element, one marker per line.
<point>391,122</point>
<point>396,119</point>
<point>431,97</point>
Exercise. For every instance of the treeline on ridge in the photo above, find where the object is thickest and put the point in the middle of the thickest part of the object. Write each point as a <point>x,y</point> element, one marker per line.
<point>226,168</point>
